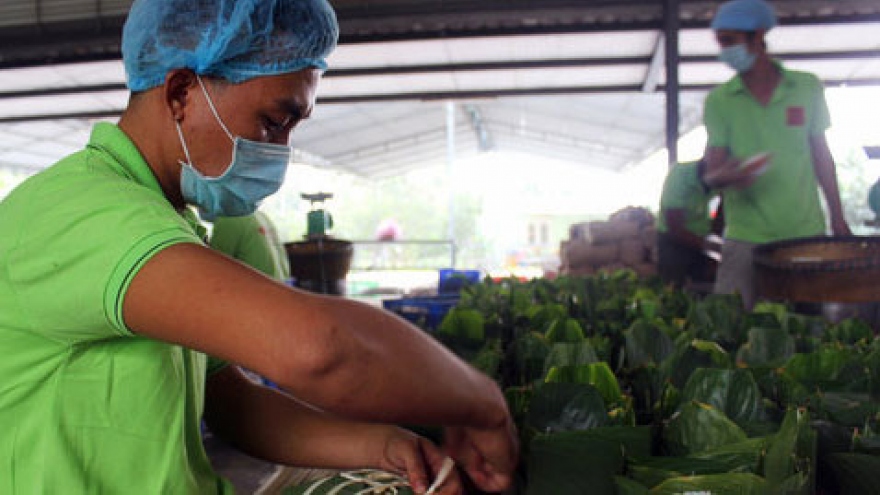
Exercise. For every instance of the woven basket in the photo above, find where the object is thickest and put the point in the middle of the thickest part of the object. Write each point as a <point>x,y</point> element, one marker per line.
<point>819,269</point>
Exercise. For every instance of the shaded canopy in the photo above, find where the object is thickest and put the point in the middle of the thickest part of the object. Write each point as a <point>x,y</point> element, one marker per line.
<point>577,80</point>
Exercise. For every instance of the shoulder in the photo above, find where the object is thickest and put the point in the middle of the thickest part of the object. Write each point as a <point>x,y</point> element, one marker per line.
<point>803,79</point>
<point>724,90</point>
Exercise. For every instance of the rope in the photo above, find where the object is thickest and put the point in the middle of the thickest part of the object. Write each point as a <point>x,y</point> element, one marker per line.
<point>380,482</point>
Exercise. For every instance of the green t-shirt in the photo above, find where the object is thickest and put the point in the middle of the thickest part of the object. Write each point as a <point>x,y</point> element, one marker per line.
<point>87,406</point>
<point>784,202</point>
<point>252,239</point>
<point>683,190</point>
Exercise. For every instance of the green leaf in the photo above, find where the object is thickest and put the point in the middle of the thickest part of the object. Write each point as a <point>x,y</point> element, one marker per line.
<point>766,347</point>
<point>715,484</point>
<point>626,486</point>
<point>692,355</point>
<point>818,368</point>
<point>646,343</point>
<point>849,331</point>
<point>734,392</point>
<point>848,409</point>
<point>463,323</point>
<point>531,351</point>
<point>651,476</point>
<point>856,474</point>
<point>569,354</point>
<point>719,318</point>
<point>557,407</point>
<point>572,464</point>
<point>542,316</point>
<point>791,451</point>
<point>698,427</point>
<point>489,358</point>
<point>598,375</point>
<point>741,457</point>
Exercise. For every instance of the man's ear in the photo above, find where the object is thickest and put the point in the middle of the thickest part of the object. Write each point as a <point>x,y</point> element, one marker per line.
<point>178,83</point>
<point>759,42</point>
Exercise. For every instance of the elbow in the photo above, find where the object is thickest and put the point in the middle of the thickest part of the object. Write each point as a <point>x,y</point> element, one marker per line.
<point>308,361</point>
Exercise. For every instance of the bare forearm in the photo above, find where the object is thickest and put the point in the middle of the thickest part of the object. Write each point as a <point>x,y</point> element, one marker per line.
<point>270,425</point>
<point>826,175</point>
<point>384,369</point>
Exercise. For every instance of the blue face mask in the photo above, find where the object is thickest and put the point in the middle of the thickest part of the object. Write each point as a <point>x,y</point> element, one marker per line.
<point>737,57</point>
<point>256,171</point>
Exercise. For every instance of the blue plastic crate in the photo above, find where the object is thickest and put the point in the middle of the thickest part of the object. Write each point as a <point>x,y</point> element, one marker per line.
<point>452,281</point>
<point>425,312</point>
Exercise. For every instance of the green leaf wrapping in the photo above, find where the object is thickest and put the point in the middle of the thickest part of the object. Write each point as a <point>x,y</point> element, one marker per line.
<point>557,407</point>
<point>598,375</point>
<point>734,392</point>
<point>715,484</point>
<point>699,427</point>
<point>573,463</point>
<point>569,354</point>
<point>766,347</point>
<point>856,474</point>
<point>645,344</point>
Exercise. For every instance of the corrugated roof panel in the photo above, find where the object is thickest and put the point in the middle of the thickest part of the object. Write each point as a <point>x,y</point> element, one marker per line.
<point>24,12</point>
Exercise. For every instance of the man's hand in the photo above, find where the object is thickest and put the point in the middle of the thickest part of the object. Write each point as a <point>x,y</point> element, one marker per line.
<point>488,456</point>
<point>420,461</point>
<point>736,173</point>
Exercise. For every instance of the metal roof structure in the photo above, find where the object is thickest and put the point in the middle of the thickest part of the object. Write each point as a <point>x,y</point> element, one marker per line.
<point>578,80</point>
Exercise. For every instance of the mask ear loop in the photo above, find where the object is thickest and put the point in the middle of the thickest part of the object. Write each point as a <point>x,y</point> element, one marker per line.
<point>214,110</point>
<point>183,143</point>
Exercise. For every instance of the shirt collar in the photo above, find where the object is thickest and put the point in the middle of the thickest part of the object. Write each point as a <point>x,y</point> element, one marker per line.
<point>128,161</point>
<point>736,84</point>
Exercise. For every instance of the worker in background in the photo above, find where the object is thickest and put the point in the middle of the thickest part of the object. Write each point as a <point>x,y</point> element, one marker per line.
<point>387,233</point>
<point>780,113</point>
<point>119,326</point>
<point>688,243</point>
<point>253,240</point>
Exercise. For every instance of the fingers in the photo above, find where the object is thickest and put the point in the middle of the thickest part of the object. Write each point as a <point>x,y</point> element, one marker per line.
<point>421,462</point>
<point>488,456</point>
<point>445,471</point>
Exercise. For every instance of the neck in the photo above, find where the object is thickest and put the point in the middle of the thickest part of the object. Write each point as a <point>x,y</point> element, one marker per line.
<point>762,78</point>
<point>153,144</point>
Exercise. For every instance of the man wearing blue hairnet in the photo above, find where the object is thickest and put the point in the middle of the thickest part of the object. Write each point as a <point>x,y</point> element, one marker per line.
<point>778,117</point>
<point>117,322</point>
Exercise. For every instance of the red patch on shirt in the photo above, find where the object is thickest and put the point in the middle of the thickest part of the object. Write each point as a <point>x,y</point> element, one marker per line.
<point>795,116</point>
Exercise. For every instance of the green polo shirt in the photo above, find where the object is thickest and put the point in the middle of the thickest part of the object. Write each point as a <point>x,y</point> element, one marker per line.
<point>252,239</point>
<point>86,406</point>
<point>784,202</point>
<point>683,190</point>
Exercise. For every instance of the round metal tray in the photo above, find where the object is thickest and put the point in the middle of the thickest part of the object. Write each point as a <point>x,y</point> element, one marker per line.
<point>819,269</point>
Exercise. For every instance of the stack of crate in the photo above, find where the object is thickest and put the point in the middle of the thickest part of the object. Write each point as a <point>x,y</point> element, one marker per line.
<point>628,239</point>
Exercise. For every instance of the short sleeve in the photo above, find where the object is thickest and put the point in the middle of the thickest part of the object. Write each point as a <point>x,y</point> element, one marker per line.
<point>88,236</point>
<point>674,194</point>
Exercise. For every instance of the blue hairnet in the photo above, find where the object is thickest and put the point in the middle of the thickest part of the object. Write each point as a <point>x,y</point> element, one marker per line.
<point>744,15</point>
<point>233,39</point>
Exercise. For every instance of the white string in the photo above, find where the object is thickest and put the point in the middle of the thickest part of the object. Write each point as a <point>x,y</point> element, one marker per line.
<point>448,463</point>
<point>380,482</point>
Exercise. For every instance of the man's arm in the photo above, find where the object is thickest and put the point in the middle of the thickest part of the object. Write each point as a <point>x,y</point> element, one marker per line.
<point>342,356</point>
<point>826,175</point>
<point>676,223</point>
<point>723,171</point>
<point>270,425</point>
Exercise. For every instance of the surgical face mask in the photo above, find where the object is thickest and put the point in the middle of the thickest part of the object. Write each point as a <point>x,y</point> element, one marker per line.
<point>256,171</point>
<point>737,57</point>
